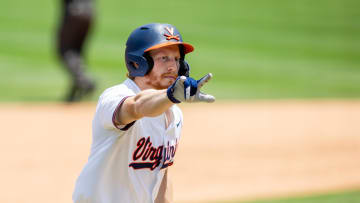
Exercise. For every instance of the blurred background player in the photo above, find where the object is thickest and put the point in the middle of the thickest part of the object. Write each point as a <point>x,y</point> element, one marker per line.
<point>76,21</point>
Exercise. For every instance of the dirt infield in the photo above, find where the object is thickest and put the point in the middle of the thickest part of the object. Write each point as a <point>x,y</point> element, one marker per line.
<point>228,150</point>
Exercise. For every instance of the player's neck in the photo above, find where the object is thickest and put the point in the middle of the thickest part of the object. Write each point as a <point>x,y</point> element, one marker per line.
<point>140,82</point>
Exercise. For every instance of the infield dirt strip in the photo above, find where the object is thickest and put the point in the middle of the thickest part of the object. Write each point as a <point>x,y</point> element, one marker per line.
<point>241,150</point>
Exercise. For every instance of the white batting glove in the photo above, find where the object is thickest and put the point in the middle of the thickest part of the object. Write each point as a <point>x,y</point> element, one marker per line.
<point>186,89</point>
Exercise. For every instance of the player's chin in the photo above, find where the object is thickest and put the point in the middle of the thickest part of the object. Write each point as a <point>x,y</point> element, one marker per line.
<point>166,83</point>
<point>169,79</point>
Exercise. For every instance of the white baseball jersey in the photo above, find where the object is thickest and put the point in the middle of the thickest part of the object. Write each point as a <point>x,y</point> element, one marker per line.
<point>127,163</point>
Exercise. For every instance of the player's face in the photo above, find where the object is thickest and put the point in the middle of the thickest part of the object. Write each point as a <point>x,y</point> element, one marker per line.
<point>166,67</point>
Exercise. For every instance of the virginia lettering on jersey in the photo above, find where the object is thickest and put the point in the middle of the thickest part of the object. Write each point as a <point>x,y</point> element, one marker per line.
<point>147,156</point>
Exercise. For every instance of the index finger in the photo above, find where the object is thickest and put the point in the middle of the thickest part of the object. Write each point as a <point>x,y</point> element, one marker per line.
<point>204,80</point>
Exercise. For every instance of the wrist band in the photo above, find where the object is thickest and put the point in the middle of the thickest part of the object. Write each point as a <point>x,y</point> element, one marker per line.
<point>170,95</point>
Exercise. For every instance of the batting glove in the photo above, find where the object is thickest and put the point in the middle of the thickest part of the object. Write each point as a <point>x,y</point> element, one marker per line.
<point>186,89</point>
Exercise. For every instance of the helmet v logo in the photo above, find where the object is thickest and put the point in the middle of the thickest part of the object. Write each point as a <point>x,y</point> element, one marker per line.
<point>170,30</point>
<point>171,36</point>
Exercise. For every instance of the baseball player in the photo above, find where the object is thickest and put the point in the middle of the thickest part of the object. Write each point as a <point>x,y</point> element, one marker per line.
<point>137,124</point>
<point>77,19</point>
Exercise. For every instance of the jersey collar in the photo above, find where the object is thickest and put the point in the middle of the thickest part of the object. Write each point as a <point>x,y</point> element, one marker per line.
<point>132,85</point>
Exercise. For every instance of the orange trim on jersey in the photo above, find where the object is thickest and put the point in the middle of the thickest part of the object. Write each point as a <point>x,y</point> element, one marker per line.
<point>188,47</point>
<point>116,111</point>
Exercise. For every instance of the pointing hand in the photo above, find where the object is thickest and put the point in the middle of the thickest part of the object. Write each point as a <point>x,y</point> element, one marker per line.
<point>186,89</point>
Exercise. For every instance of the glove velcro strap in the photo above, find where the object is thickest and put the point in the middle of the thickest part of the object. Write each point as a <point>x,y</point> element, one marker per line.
<point>170,95</point>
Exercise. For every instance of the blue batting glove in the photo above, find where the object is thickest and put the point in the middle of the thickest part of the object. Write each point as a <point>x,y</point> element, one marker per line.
<point>186,89</point>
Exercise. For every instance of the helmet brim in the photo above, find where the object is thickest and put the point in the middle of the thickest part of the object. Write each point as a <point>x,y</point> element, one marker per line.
<point>187,47</point>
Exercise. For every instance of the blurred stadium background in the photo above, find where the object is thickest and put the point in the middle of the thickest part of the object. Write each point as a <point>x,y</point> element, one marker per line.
<point>259,49</point>
<point>256,49</point>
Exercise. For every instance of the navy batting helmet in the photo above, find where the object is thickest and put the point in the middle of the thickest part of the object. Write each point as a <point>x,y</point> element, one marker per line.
<point>149,37</point>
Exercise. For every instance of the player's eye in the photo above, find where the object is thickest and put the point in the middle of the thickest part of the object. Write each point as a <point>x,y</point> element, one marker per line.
<point>164,58</point>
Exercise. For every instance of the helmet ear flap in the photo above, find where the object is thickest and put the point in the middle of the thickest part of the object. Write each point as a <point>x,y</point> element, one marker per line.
<point>184,66</point>
<point>140,61</point>
<point>150,62</point>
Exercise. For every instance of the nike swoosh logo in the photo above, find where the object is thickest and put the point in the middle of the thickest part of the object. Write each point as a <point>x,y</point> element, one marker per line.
<point>177,125</point>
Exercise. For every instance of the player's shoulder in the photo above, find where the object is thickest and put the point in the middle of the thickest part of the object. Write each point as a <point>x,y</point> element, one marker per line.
<point>120,88</point>
<point>176,110</point>
<point>126,89</point>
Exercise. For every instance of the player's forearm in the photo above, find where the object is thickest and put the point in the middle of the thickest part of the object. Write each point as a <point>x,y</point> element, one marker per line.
<point>147,103</point>
<point>151,103</point>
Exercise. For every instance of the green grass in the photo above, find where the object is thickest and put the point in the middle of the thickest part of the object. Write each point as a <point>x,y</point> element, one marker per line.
<point>339,197</point>
<point>255,48</point>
